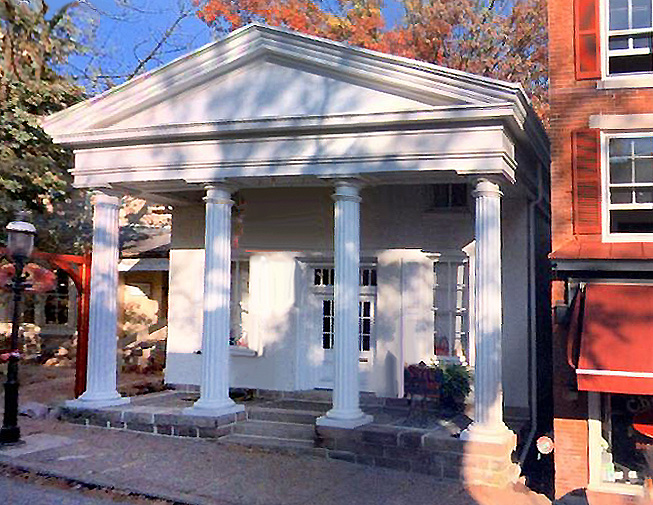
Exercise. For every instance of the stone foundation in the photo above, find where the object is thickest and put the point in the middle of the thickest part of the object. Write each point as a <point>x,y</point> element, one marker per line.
<point>430,452</point>
<point>158,423</point>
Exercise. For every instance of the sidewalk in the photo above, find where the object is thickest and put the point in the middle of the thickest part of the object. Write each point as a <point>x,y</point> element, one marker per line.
<point>194,471</point>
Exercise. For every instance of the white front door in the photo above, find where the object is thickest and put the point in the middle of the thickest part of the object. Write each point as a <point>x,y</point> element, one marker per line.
<point>323,337</point>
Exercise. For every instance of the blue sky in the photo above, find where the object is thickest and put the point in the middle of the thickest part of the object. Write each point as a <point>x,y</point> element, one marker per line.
<point>123,35</point>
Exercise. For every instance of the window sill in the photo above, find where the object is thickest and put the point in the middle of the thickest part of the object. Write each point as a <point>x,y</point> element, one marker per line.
<point>237,350</point>
<point>616,488</point>
<point>626,81</point>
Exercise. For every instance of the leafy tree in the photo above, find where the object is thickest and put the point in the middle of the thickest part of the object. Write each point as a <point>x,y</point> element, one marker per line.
<point>33,171</point>
<point>500,39</point>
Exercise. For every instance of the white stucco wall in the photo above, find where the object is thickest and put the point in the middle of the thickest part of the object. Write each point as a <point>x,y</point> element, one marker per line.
<point>283,229</point>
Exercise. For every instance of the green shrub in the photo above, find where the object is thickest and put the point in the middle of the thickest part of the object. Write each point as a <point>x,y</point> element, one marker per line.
<point>456,385</point>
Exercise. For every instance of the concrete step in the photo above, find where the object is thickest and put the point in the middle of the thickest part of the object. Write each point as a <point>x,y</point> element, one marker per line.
<point>283,415</point>
<point>288,431</point>
<point>272,444</point>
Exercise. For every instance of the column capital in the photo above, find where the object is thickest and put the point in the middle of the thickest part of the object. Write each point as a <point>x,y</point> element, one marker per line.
<point>487,187</point>
<point>105,197</point>
<point>219,193</point>
<point>347,190</point>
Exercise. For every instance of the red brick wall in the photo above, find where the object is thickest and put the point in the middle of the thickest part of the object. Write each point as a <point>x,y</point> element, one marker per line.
<point>572,103</point>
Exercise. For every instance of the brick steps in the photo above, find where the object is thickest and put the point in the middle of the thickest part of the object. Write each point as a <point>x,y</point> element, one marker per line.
<point>283,415</point>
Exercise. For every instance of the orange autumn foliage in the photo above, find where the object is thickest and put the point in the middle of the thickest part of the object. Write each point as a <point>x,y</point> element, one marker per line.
<point>504,40</point>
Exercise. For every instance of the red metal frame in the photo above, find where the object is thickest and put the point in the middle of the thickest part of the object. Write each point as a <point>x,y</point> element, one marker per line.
<point>79,269</point>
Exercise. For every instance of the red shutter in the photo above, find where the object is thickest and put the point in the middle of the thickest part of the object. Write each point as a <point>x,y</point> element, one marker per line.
<point>587,39</point>
<point>586,178</point>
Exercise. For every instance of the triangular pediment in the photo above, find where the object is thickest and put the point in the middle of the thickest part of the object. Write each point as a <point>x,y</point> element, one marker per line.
<point>267,89</point>
<point>260,72</point>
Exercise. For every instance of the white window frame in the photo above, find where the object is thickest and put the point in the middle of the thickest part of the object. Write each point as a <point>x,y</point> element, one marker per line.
<point>594,441</point>
<point>632,80</point>
<point>366,294</point>
<point>239,303</point>
<point>606,206</point>
<point>457,353</point>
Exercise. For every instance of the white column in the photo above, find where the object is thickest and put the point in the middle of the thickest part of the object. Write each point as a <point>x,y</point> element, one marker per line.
<point>346,412</point>
<point>488,422</point>
<point>101,379</point>
<point>214,386</point>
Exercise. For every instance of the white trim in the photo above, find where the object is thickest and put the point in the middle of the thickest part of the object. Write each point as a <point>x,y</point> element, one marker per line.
<point>623,122</point>
<point>607,236</point>
<point>615,373</point>
<point>594,425</point>
<point>614,81</point>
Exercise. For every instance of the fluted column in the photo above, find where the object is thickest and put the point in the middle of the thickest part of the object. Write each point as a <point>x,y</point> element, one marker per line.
<point>346,412</point>
<point>101,379</point>
<point>214,386</point>
<point>488,422</point>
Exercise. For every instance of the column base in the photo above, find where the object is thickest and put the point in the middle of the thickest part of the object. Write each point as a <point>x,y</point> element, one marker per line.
<point>97,401</point>
<point>213,408</point>
<point>331,421</point>
<point>498,434</point>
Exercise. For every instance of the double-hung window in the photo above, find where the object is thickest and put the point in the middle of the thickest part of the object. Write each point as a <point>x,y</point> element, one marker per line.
<point>629,36</point>
<point>628,186</point>
<point>323,282</point>
<point>451,307</point>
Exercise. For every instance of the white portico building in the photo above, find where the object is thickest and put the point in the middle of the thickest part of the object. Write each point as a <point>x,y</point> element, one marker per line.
<point>337,214</point>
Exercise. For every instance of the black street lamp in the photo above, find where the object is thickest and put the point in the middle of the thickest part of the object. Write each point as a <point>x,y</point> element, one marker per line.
<point>20,243</point>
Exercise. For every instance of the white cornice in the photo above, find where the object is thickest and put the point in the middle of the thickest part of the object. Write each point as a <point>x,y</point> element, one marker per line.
<point>297,125</point>
<point>405,76</point>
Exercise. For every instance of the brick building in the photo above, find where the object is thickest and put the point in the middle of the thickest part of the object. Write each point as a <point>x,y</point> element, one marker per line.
<point>601,62</point>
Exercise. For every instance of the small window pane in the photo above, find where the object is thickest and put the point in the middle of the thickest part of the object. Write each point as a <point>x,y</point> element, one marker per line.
<point>640,41</point>
<point>643,146</point>
<point>644,170</point>
<point>641,13</point>
<point>458,195</point>
<point>644,196</point>
<point>618,14</point>
<point>630,64</point>
<point>619,147</point>
<point>620,172</point>
<point>619,42</point>
<point>621,195</point>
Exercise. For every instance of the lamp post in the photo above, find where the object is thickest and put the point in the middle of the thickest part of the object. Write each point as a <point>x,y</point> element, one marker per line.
<point>20,243</point>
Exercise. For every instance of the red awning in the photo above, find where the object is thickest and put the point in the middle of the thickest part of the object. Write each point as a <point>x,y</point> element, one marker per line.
<point>616,338</point>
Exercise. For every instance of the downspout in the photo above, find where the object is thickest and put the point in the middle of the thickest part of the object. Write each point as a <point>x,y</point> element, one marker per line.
<point>532,209</point>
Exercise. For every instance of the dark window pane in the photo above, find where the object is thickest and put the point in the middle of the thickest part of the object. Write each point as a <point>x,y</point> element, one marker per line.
<point>365,273</point>
<point>366,309</point>
<point>458,195</point>
<point>440,197</point>
<point>373,279</point>
<point>326,341</point>
<point>365,343</point>
<point>631,221</point>
<point>621,196</point>
<point>640,41</point>
<point>630,64</point>
<point>644,170</point>
<point>619,42</point>
<point>644,196</point>
<point>620,172</point>
<point>367,326</point>
<point>619,147</point>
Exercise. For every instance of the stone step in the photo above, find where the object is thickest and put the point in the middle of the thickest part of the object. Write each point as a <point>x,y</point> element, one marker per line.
<point>272,444</point>
<point>306,405</point>
<point>283,415</point>
<point>289,431</point>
